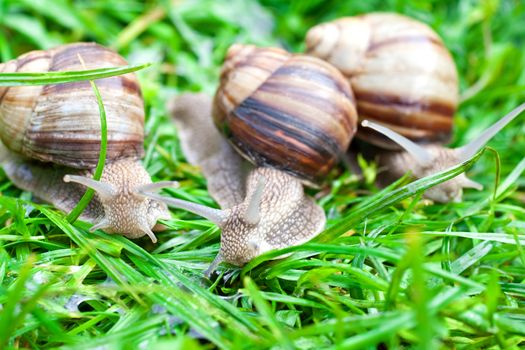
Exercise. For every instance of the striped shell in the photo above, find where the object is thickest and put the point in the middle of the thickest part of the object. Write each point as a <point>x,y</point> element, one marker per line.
<point>292,112</point>
<point>61,123</point>
<point>399,69</point>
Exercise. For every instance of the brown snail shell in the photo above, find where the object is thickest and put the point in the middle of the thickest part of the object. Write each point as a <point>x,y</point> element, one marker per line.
<point>400,71</point>
<point>51,135</point>
<point>292,112</point>
<point>60,123</point>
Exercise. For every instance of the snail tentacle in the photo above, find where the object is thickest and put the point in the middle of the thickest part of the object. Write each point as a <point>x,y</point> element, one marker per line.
<point>102,224</point>
<point>105,190</point>
<point>213,266</point>
<point>156,186</point>
<point>469,183</point>
<point>149,233</point>
<point>214,215</point>
<point>252,215</point>
<point>419,153</point>
<point>467,151</point>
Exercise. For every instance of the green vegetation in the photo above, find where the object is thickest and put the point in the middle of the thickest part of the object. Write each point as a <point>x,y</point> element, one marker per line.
<point>391,271</point>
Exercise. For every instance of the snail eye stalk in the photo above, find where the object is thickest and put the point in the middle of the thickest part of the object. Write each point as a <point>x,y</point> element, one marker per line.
<point>253,211</point>
<point>105,190</point>
<point>422,156</point>
<point>216,216</point>
<point>466,152</point>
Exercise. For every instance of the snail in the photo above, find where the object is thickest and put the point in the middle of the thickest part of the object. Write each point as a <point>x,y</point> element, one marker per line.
<point>406,89</point>
<point>400,71</point>
<point>50,140</point>
<point>290,116</point>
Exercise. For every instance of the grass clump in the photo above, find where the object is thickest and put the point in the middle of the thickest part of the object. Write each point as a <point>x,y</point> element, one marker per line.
<point>391,271</point>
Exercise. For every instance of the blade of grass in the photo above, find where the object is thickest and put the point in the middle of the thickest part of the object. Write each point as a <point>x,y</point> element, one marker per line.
<point>267,314</point>
<point>27,79</point>
<point>14,297</point>
<point>88,195</point>
<point>383,201</point>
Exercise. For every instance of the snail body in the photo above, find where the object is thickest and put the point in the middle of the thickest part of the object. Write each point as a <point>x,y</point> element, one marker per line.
<point>406,89</point>
<point>51,134</point>
<point>279,121</point>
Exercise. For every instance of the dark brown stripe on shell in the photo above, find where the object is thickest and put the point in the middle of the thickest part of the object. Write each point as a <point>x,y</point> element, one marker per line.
<point>310,98</point>
<point>80,154</point>
<point>276,135</point>
<point>3,92</point>
<point>317,76</point>
<point>415,118</point>
<point>393,101</point>
<point>21,62</point>
<point>421,39</point>
<point>289,124</point>
<point>281,158</point>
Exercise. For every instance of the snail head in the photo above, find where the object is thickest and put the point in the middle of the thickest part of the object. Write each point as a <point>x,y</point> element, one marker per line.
<point>126,210</point>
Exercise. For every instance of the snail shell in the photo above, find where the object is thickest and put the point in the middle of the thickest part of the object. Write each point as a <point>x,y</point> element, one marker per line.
<point>262,208</point>
<point>51,134</point>
<point>292,112</point>
<point>60,123</point>
<point>400,71</point>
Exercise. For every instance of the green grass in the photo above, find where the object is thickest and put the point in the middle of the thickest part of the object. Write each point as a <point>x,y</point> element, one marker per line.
<point>391,271</point>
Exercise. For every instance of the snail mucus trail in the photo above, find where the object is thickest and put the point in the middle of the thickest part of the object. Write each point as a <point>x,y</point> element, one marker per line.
<point>51,134</point>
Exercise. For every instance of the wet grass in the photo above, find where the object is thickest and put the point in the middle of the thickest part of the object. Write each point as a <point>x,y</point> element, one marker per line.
<point>391,271</point>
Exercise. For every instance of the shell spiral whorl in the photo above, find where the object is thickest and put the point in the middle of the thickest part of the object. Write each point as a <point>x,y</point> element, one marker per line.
<point>61,123</point>
<point>292,112</point>
<point>399,69</point>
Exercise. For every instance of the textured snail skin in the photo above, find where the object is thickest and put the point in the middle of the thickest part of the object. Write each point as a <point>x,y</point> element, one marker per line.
<point>285,216</point>
<point>49,133</point>
<point>288,218</point>
<point>399,69</point>
<point>290,112</point>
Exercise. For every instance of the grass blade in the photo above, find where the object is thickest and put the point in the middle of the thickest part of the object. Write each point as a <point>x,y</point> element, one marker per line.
<point>27,79</point>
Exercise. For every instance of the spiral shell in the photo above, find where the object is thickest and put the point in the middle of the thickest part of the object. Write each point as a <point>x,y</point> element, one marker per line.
<point>399,69</point>
<point>61,123</point>
<point>295,113</point>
